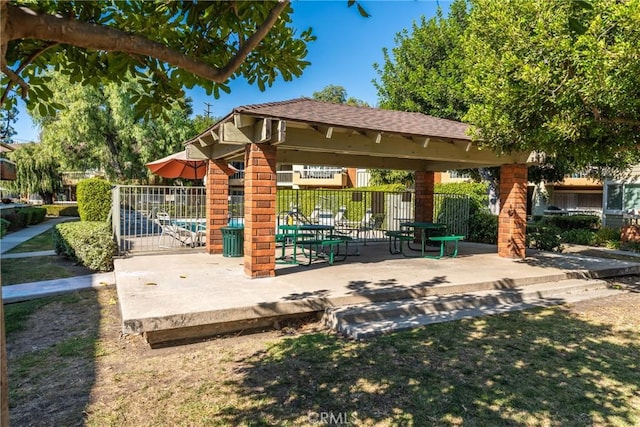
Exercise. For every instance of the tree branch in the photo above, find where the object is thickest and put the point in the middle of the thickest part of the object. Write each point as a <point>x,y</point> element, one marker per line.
<point>597,115</point>
<point>22,66</point>
<point>29,24</point>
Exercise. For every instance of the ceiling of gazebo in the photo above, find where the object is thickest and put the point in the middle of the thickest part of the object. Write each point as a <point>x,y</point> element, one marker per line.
<point>321,133</point>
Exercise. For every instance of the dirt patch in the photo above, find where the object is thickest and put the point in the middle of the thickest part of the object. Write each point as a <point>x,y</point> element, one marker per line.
<point>71,365</point>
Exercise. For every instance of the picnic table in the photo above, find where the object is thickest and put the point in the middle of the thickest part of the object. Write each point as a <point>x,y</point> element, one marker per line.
<point>317,239</point>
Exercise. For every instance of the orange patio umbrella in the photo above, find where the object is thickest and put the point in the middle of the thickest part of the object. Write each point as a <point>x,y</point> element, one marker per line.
<point>177,165</point>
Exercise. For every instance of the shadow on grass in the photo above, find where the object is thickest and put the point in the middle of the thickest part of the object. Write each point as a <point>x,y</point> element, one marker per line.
<point>51,360</point>
<point>540,367</point>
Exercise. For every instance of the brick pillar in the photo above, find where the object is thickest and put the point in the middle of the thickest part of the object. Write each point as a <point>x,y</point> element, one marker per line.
<point>217,206</point>
<point>512,221</point>
<point>424,196</point>
<point>260,210</point>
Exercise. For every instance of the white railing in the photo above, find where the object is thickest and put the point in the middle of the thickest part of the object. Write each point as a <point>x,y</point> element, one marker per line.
<point>327,173</point>
<point>284,177</point>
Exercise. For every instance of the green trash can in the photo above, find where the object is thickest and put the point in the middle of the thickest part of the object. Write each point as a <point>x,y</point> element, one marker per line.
<point>232,241</point>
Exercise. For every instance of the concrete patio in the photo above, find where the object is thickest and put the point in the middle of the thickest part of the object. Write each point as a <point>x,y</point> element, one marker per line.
<point>173,297</point>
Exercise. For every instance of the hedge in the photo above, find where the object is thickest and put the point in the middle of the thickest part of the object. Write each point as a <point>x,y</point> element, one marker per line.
<point>87,242</point>
<point>4,226</point>
<point>61,210</point>
<point>571,222</point>
<point>94,199</point>
<point>20,218</point>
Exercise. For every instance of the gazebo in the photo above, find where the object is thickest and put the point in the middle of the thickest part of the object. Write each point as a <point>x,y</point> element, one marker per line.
<point>306,131</point>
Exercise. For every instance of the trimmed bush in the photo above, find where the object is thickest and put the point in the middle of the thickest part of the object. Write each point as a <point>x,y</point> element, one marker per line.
<point>94,199</point>
<point>61,210</point>
<point>87,242</point>
<point>483,227</point>
<point>572,222</point>
<point>4,226</point>
<point>36,215</point>
<point>18,218</point>
<point>544,237</point>
<point>579,237</point>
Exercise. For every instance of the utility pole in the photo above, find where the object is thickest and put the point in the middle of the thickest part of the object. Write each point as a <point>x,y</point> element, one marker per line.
<point>208,111</point>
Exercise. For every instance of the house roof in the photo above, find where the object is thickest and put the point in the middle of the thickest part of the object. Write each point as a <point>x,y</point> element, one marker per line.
<point>312,132</point>
<point>359,118</point>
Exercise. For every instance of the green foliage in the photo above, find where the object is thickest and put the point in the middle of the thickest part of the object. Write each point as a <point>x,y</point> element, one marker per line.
<point>477,191</point>
<point>337,95</point>
<point>579,236</point>
<point>35,215</point>
<point>544,237</point>
<point>38,171</point>
<point>207,33</point>
<point>572,222</point>
<point>87,242</point>
<point>608,237</point>
<point>425,71</point>
<point>381,177</point>
<point>4,227</point>
<point>99,129</point>
<point>94,199</point>
<point>559,79</point>
<point>483,227</point>
<point>61,210</point>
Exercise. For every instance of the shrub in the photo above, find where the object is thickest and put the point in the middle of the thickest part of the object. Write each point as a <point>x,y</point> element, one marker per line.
<point>572,222</point>
<point>477,191</point>
<point>94,199</point>
<point>87,242</point>
<point>608,237</point>
<point>4,226</point>
<point>544,237</point>
<point>483,227</point>
<point>18,218</point>
<point>579,237</point>
<point>35,215</point>
<point>61,210</point>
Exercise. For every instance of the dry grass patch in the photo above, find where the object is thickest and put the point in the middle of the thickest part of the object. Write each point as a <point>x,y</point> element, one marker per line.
<point>575,365</point>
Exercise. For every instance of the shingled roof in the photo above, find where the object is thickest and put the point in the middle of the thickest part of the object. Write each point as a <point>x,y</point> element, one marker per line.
<point>359,118</point>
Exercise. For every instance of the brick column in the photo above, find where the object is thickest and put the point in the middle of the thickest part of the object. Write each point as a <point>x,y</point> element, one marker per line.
<point>512,221</point>
<point>260,210</point>
<point>424,196</point>
<point>217,206</point>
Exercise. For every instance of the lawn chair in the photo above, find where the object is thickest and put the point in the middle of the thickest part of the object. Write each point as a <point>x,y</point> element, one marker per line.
<point>370,223</point>
<point>169,228</point>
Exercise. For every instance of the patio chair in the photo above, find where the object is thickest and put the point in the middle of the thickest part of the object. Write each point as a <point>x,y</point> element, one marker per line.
<point>370,222</point>
<point>178,234</point>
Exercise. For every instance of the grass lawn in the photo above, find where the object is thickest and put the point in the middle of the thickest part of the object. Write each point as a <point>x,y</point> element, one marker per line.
<point>576,365</point>
<point>41,242</point>
<point>32,269</point>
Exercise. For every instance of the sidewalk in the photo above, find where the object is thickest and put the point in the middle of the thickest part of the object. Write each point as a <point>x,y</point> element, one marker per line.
<point>28,291</point>
<point>15,238</point>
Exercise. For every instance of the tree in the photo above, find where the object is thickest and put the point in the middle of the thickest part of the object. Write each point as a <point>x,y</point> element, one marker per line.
<point>7,118</point>
<point>337,95</point>
<point>176,45</point>
<point>38,172</point>
<point>424,72</point>
<point>561,77</point>
<point>98,129</point>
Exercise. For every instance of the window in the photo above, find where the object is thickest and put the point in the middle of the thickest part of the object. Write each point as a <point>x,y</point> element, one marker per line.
<point>622,197</point>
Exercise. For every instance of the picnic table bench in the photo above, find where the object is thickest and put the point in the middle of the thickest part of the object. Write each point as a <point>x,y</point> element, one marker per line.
<point>455,238</point>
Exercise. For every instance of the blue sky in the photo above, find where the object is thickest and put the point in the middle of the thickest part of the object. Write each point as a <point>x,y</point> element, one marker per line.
<point>346,48</point>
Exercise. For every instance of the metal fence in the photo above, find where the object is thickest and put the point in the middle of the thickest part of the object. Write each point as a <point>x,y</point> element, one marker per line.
<point>152,218</point>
